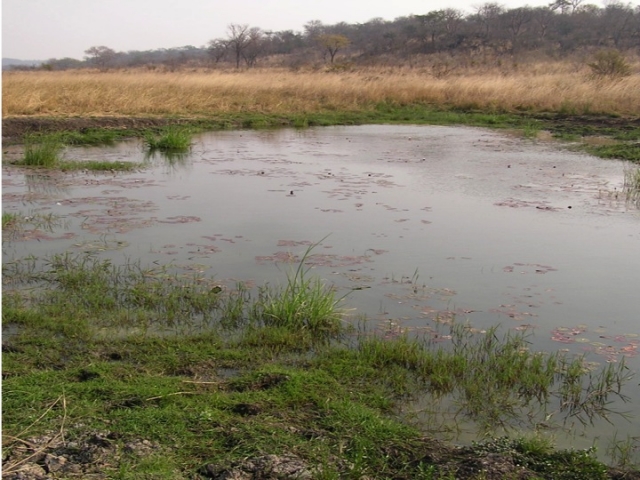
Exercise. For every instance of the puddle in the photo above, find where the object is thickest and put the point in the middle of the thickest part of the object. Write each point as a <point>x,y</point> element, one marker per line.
<point>423,225</point>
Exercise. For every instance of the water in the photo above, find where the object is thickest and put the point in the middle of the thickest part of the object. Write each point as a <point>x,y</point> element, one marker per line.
<point>423,225</point>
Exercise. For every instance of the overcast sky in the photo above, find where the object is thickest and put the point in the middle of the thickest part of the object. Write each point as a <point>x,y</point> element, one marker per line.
<point>43,29</point>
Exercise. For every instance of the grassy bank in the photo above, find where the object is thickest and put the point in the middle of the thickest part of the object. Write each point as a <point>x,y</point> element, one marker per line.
<point>92,108</point>
<point>149,373</point>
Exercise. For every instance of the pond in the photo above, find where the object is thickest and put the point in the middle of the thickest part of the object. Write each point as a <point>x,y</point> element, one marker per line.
<point>421,226</point>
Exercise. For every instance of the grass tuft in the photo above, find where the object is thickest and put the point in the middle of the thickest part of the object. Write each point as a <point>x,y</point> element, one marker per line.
<point>174,139</point>
<point>42,152</point>
<point>631,185</point>
<point>303,304</point>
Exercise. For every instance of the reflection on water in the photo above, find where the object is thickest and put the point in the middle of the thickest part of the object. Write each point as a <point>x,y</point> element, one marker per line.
<point>426,226</point>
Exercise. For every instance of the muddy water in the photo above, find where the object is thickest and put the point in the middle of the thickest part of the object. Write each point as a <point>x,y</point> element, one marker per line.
<point>423,225</point>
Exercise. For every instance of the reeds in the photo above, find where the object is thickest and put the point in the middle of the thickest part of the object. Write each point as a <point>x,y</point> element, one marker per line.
<point>631,185</point>
<point>42,152</point>
<point>534,88</point>
<point>172,140</point>
<point>497,381</point>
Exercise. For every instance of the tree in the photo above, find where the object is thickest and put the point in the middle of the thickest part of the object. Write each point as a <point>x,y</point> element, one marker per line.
<point>254,47</point>
<point>238,40</point>
<point>217,49</point>
<point>332,43</point>
<point>100,56</point>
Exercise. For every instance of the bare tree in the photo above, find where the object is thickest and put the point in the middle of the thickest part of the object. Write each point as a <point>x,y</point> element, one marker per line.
<point>254,47</point>
<point>100,56</point>
<point>217,49</point>
<point>488,15</point>
<point>238,40</point>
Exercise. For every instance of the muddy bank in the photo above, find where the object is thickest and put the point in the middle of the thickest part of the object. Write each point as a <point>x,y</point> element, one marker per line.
<point>15,128</point>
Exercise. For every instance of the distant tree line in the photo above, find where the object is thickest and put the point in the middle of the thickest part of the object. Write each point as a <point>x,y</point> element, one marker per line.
<point>556,30</point>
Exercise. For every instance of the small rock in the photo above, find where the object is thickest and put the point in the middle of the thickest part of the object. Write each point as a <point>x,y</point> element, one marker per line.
<point>53,463</point>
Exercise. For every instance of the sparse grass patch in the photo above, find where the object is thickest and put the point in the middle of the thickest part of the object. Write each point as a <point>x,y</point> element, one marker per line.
<point>92,137</point>
<point>9,220</point>
<point>99,166</point>
<point>631,185</point>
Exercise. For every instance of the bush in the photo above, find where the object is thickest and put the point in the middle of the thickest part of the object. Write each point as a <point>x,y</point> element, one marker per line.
<point>609,63</point>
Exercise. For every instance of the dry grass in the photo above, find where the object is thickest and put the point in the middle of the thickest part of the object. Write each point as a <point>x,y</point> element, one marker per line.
<point>545,87</point>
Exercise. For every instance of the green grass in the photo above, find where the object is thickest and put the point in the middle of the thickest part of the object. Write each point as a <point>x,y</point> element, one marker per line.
<point>45,151</point>
<point>212,375</point>
<point>303,304</point>
<point>91,137</point>
<point>631,185</point>
<point>624,151</point>
<point>18,223</point>
<point>42,152</point>
<point>99,166</point>
<point>9,220</point>
<point>172,139</point>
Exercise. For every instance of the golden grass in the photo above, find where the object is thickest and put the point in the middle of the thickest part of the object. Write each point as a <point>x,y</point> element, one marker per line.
<point>535,88</point>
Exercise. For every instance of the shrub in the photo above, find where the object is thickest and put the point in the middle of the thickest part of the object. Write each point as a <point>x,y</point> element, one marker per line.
<point>609,63</point>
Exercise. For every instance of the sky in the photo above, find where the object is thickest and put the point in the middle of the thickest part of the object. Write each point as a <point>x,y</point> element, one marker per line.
<point>44,29</point>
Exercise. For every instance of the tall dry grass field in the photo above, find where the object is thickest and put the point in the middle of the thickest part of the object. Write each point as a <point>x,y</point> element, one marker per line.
<point>538,88</point>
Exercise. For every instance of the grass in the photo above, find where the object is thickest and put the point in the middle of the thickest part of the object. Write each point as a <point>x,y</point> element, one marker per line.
<point>544,87</point>
<point>17,223</point>
<point>531,98</point>
<point>44,152</point>
<point>173,139</point>
<point>209,375</point>
<point>9,220</point>
<point>622,151</point>
<point>631,185</point>
<point>303,304</point>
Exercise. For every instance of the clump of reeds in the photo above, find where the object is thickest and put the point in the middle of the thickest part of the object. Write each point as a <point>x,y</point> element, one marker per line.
<point>631,185</point>
<point>303,304</point>
<point>42,152</point>
<point>493,380</point>
<point>172,140</point>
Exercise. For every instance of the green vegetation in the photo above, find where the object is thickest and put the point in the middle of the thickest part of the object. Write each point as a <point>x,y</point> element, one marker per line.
<point>175,137</point>
<point>98,166</point>
<point>42,152</point>
<point>624,151</point>
<point>14,224</point>
<point>9,220</point>
<point>631,186</point>
<point>92,137</point>
<point>172,139</point>
<point>45,151</point>
<point>174,374</point>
